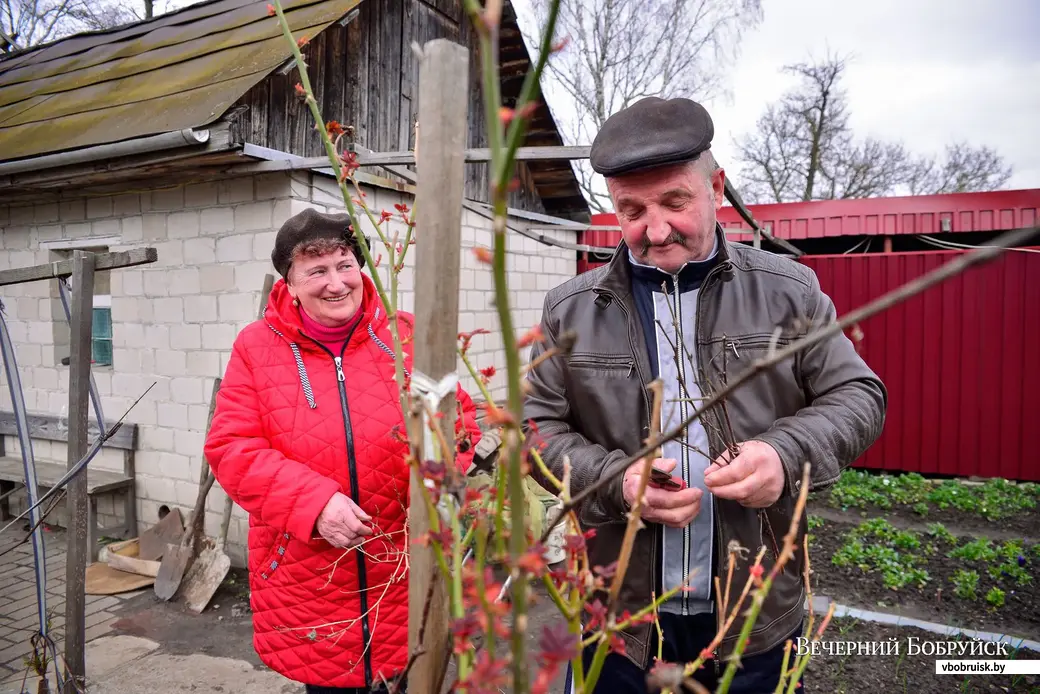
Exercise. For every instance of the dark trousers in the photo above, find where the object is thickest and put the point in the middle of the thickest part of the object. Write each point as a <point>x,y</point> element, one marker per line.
<point>684,639</point>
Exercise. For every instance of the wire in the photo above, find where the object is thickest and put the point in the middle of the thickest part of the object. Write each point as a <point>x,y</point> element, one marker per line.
<point>856,247</point>
<point>952,245</point>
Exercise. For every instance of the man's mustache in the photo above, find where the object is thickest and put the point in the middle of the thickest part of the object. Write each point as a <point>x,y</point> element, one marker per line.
<point>673,237</point>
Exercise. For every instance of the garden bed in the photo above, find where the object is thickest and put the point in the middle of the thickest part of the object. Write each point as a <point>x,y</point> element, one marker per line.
<point>962,581</point>
<point>848,674</point>
<point>995,507</point>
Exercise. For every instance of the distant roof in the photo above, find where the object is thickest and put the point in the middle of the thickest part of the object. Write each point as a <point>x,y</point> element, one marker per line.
<point>181,70</point>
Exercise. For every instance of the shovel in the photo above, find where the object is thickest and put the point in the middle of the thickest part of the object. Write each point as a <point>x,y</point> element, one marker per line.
<point>208,571</point>
<point>176,558</point>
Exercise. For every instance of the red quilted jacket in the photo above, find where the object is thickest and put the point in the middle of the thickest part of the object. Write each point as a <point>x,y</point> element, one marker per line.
<point>285,437</point>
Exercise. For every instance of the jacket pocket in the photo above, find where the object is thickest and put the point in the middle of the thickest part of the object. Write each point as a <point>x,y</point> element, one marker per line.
<point>275,556</point>
<point>602,364</point>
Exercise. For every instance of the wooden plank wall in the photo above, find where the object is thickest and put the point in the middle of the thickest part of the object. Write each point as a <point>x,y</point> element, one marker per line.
<point>366,75</point>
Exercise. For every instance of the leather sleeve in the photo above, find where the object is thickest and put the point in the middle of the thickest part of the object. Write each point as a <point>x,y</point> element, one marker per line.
<point>845,405</point>
<point>547,415</point>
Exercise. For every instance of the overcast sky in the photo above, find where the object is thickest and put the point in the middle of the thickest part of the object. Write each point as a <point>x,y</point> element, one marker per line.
<point>925,72</point>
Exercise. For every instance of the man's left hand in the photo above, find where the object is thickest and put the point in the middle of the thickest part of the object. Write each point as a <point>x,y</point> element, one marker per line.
<point>755,478</point>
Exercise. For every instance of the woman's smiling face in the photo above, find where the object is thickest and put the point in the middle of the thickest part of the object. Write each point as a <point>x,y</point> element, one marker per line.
<point>327,286</point>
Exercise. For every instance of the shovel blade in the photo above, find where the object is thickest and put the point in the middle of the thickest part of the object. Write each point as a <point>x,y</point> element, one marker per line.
<point>204,578</point>
<point>171,570</point>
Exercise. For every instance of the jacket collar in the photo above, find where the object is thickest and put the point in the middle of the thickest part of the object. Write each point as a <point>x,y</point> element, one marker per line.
<point>281,315</point>
<point>617,279</point>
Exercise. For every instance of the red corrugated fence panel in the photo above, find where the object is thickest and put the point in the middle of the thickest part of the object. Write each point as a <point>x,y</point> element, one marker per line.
<point>961,361</point>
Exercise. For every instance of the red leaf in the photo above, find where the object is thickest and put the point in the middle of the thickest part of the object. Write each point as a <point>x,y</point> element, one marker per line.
<point>433,470</point>
<point>617,644</point>
<point>597,615</point>
<point>483,254</point>
<point>300,91</point>
<point>385,215</point>
<point>302,41</point>
<point>487,373</point>
<point>558,645</point>
<point>505,114</point>
<point>533,561</point>
<point>401,207</point>
<point>334,129</point>
<point>468,337</point>
<point>530,337</point>
<point>270,10</point>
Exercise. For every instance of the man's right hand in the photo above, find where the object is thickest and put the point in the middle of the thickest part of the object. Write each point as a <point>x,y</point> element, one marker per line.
<point>676,509</point>
<point>342,522</point>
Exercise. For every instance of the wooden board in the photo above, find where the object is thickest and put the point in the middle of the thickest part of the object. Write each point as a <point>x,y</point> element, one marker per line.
<point>53,428</point>
<point>48,474</point>
<point>104,580</point>
<point>169,530</point>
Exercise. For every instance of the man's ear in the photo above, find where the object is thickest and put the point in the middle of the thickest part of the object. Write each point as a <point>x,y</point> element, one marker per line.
<point>718,186</point>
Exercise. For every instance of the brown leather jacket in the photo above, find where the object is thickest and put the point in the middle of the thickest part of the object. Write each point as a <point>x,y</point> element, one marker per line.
<point>824,406</point>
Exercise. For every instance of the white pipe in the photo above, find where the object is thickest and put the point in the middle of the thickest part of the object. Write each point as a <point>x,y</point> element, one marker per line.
<point>153,143</point>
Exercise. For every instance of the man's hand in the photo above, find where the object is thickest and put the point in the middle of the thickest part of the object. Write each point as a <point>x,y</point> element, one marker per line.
<point>342,522</point>
<point>676,509</point>
<point>755,478</point>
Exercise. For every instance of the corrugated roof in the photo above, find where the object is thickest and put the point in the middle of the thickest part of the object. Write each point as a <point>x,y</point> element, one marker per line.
<point>180,70</point>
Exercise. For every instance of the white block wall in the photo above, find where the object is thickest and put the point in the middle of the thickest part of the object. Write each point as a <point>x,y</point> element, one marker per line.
<point>174,321</point>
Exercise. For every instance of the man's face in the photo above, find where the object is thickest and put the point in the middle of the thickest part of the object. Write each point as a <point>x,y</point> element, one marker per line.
<point>667,214</point>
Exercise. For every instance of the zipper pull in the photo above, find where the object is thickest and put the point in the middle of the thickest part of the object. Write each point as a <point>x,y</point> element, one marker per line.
<point>733,346</point>
<point>339,368</point>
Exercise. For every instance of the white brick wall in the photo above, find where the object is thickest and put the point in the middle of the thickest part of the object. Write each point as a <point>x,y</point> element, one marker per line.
<point>174,321</point>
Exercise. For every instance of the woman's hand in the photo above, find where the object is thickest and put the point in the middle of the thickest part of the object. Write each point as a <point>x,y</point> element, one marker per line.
<point>342,522</point>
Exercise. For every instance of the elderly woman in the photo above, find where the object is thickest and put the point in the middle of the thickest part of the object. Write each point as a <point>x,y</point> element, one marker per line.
<point>306,438</point>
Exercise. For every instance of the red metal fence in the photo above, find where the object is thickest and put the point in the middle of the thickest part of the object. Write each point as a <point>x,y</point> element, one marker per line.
<point>961,361</point>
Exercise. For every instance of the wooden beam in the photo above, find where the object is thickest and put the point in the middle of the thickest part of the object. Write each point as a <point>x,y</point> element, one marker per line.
<point>443,102</point>
<point>64,268</point>
<point>471,156</point>
<point>77,535</point>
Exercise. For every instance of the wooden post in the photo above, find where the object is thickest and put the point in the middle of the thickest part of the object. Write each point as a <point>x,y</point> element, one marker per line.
<point>443,99</point>
<point>79,407</point>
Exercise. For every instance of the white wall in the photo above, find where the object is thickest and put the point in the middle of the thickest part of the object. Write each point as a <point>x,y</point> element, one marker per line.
<point>174,321</point>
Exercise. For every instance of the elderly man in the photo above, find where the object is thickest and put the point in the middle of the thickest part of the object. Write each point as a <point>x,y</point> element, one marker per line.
<point>680,303</point>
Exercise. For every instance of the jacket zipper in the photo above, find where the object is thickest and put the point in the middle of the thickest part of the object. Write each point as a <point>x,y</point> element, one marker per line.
<point>719,618</point>
<point>355,493</point>
<point>680,367</point>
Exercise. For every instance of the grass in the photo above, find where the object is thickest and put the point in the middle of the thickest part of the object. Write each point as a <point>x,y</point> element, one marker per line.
<point>993,500</point>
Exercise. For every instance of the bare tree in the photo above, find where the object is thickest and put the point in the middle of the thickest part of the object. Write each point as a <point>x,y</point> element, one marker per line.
<point>27,23</point>
<point>804,149</point>
<point>620,51</point>
<point>964,168</point>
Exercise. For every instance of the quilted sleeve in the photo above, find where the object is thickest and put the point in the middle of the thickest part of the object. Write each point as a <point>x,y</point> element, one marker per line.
<point>467,432</point>
<point>279,492</point>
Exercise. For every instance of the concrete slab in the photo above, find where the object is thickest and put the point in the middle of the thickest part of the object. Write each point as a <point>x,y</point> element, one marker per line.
<point>113,652</point>
<point>196,673</point>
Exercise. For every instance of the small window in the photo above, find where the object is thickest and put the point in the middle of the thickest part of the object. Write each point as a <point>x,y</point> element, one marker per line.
<point>101,318</point>
<point>101,331</point>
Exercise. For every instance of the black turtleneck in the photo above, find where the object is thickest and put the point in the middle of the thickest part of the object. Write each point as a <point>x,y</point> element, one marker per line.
<point>646,280</point>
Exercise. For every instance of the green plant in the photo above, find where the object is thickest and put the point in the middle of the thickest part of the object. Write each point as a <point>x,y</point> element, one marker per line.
<point>977,550</point>
<point>1013,565</point>
<point>995,597</point>
<point>940,533</point>
<point>874,547</point>
<point>921,508</point>
<point>966,584</point>
<point>815,522</point>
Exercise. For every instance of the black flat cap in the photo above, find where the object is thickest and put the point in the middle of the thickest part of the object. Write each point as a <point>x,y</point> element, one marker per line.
<point>651,132</point>
<point>308,226</point>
